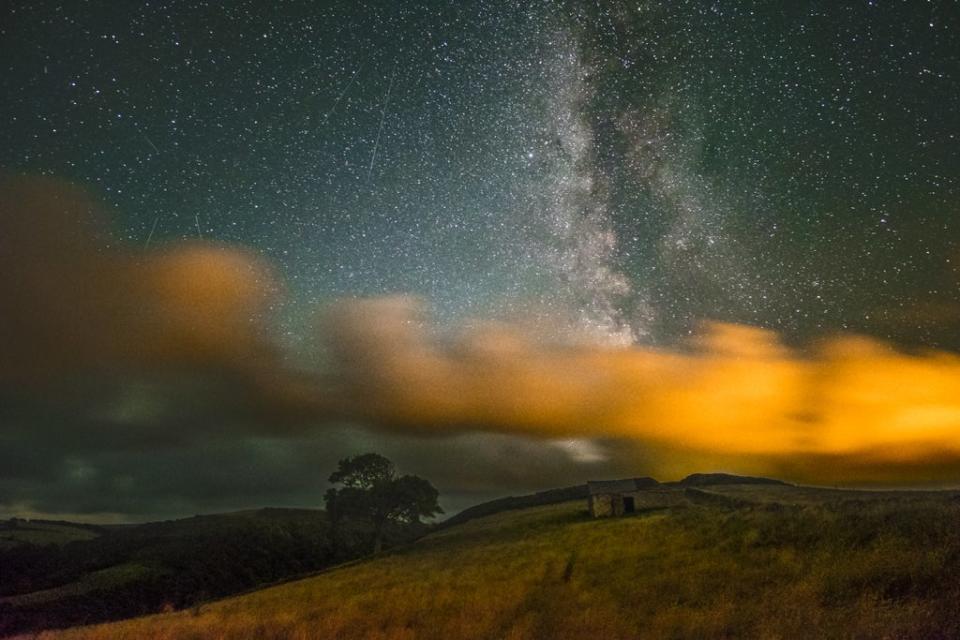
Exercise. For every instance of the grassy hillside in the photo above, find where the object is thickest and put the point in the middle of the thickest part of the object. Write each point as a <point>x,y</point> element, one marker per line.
<point>61,574</point>
<point>733,561</point>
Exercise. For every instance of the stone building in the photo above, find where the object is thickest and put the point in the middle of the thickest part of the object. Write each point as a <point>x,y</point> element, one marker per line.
<point>616,497</point>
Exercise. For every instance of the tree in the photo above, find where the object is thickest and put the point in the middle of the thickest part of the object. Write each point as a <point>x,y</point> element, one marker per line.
<point>372,490</point>
<point>363,471</point>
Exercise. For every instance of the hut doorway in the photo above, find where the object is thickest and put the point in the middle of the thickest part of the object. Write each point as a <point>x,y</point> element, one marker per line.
<point>628,504</point>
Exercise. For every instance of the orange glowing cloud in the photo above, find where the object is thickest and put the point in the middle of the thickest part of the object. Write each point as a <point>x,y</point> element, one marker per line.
<point>76,300</point>
<point>735,390</point>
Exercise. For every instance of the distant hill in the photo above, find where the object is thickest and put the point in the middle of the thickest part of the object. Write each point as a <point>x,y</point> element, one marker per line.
<point>738,560</point>
<point>580,491</point>
<point>16,531</point>
<point>61,574</point>
<point>541,498</point>
<point>712,479</point>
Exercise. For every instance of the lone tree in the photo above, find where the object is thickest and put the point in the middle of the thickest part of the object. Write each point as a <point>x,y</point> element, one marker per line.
<point>370,489</point>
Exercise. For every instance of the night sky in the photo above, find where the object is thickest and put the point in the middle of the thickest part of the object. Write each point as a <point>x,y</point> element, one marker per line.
<point>613,174</point>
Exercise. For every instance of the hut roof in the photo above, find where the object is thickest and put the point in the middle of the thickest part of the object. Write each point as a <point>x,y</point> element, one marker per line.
<point>595,487</point>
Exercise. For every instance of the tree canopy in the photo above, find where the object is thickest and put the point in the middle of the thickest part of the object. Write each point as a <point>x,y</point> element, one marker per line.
<point>371,489</point>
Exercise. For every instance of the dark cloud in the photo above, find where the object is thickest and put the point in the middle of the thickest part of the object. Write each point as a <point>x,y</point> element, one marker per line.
<point>131,380</point>
<point>124,336</point>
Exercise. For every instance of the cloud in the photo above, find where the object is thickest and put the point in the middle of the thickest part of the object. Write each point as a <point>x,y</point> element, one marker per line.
<point>118,364</point>
<point>733,391</point>
<point>77,300</point>
<point>92,322</point>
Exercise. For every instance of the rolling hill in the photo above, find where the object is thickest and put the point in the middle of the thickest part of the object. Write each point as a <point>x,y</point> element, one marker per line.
<point>732,560</point>
<point>57,574</point>
<point>16,532</point>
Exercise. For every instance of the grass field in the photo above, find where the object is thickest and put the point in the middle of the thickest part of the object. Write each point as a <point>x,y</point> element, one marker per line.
<point>764,562</point>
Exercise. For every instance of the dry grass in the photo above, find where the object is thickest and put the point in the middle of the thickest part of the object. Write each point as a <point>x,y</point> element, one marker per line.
<point>872,568</point>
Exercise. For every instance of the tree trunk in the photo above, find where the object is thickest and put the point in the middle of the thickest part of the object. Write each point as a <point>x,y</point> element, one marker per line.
<point>377,538</point>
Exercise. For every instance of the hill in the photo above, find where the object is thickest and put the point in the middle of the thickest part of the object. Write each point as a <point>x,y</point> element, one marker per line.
<point>16,531</point>
<point>750,560</point>
<point>713,479</point>
<point>580,491</point>
<point>539,499</point>
<point>57,574</point>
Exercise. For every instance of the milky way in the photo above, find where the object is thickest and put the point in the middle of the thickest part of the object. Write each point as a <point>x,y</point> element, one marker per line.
<point>640,167</point>
<point>567,199</point>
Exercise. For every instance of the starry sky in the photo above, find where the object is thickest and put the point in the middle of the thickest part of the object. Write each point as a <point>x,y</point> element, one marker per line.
<point>614,174</point>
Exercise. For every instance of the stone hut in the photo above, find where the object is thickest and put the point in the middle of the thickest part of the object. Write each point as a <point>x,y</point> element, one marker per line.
<point>607,498</point>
